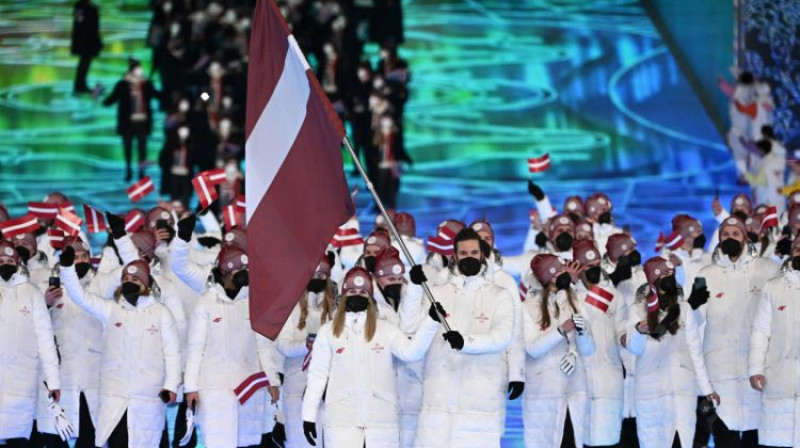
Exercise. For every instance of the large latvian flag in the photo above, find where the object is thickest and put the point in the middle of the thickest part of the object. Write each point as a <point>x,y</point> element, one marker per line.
<point>297,194</point>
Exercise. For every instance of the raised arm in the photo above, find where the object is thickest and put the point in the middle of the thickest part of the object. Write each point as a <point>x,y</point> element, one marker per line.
<point>91,303</point>
<point>189,273</point>
<point>413,349</point>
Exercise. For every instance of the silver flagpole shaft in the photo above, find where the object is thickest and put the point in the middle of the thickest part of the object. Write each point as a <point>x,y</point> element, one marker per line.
<point>392,228</point>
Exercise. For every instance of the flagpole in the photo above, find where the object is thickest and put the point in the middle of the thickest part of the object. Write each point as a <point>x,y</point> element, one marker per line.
<point>392,228</point>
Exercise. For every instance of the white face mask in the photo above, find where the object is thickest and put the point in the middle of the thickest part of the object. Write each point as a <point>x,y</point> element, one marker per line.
<point>227,102</point>
<point>363,75</point>
<point>386,125</point>
<point>215,70</point>
<point>138,72</point>
<point>167,7</point>
<point>183,133</point>
<point>377,84</point>
<point>384,54</point>
<point>225,128</point>
<point>183,106</point>
<point>230,171</point>
<point>329,50</point>
<point>174,29</point>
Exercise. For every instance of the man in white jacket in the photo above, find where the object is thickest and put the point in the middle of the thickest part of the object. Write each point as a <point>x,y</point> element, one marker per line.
<point>464,379</point>
<point>141,366</point>
<point>223,351</point>
<point>27,336</point>
<point>734,283</point>
<point>773,356</point>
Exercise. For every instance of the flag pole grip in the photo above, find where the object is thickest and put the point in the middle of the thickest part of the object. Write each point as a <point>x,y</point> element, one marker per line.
<point>392,228</point>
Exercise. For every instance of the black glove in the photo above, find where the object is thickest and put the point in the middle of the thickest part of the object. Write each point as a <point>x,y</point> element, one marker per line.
<point>621,273</point>
<point>279,434</point>
<point>116,224</point>
<point>432,311</point>
<point>515,389</point>
<point>67,257</point>
<point>787,230</point>
<point>455,340</point>
<point>281,377</point>
<point>310,430</point>
<point>417,275</point>
<point>208,241</point>
<point>186,227</point>
<point>541,239</point>
<point>783,247</point>
<point>535,191</point>
<point>699,297</point>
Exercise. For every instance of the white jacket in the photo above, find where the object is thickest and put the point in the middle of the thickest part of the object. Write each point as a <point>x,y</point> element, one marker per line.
<point>224,351</point>
<point>728,318</point>
<point>141,356</point>
<point>361,399</point>
<point>691,264</point>
<point>464,391</point>
<point>79,338</point>
<point>27,339</point>
<point>775,353</point>
<point>668,374</point>
<point>604,378</point>
<point>415,246</point>
<point>548,391</point>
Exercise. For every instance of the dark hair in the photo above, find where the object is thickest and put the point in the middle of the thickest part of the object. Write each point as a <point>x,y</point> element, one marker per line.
<point>746,78</point>
<point>764,145</point>
<point>768,131</point>
<point>466,234</point>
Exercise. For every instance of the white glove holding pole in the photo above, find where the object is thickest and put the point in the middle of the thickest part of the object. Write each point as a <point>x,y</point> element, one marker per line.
<point>62,424</point>
<point>189,428</point>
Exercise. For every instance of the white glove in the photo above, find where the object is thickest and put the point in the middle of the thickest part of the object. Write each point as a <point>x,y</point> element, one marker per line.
<point>189,428</point>
<point>580,323</point>
<point>568,362</point>
<point>61,422</point>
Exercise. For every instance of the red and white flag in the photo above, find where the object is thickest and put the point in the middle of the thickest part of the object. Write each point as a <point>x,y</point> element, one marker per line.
<point>95,221</point>
<point>660,242</point>
<point>306,361</point>
<point>69,222</point>
<point>539,164</point>
<point>770,218</point>
<point>206,192</point>
<point>134,221</point>
<point>56,237</point>
<point>233,217</point>
<point>652,303</point>
<point>19,226</point>
<point>214,177</point>
<point>673,241</point>
<point>299,196</point>
<point>140,189</point>
<point>442,243</point>
<point>523,291</point>
<point>347,237</point>
<point>43,210</point>
<point>240,203</point>
<point>599,298</point>
<point>250,385</point>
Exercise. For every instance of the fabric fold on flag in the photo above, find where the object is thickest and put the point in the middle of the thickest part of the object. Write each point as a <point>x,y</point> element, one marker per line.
<point>206,192</point>
<point>539,164</point>
<point>770,218</point>
<point>300,195</point>
<point>43,210</point>
<point>19,226</point>
<point>140,189</point>
<point>95,220</point>
<point>68,222</point>
<point>233,217</point>
<point>599,298</point>
<point>347,237</point>
<point>134,221</point>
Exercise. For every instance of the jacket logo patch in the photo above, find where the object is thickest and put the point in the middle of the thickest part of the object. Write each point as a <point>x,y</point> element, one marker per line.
<point>339,350</point>
<point>152,329</point>
<point>60,305</point>
<point>719,296</point>
<point>25,311</point>
<point>118,324</point>
<point>782,307</point>
<point>217,320</point>
<point>377,348</point>
<point>482,318</point>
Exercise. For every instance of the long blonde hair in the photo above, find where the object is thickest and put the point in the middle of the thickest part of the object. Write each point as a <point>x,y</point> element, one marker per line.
<point>327,306</point>
<point>369,328</point>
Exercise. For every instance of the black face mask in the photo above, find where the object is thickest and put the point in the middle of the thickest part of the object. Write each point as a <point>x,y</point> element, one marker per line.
<point>564,241</point>
<point>241,279</point>
<point>593,275</point>
<point>563,281</point>
<point>393,293</point>
<point>668,284</point>
<point>753,237</point>
<point>24,254</point>
<point>316,285</point>
<point>82,269</point>
<point>7,271</point>
<point>469,266</point>
<point>369,263</point>
<point>356,304</point>
<point>635,258</point>
<point>731,247</point>
<point>740,214</point>
<point>131,292</point>
<point>232,292</point>
<point>699,242</point>
<point>796,263</point>
<point>604,218</point>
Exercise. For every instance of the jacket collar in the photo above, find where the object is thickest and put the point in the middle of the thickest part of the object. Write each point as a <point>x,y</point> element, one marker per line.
<point>219,293</point>
<point>144,302</point>
<point>793,277</point>
<point>17,279</point>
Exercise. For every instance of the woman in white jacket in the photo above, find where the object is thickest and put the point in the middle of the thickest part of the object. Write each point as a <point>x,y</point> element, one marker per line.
<point>223,352</point>
<point>663,334</point>
<point>315,307</point>
<point>774,354</point>
<point>734,281</point>
<point>27,336</point>
<point>141,364</point>
<point>352,364</point>
<point>557,339</point>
